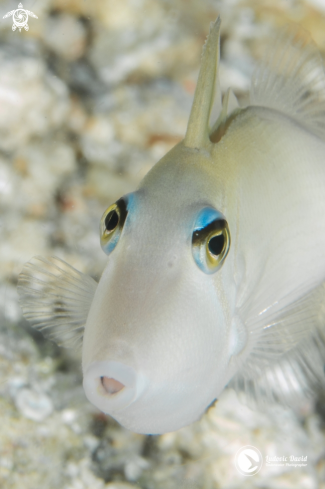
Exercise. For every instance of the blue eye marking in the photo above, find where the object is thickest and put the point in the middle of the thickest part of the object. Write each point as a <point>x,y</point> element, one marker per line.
<point>206,216</point>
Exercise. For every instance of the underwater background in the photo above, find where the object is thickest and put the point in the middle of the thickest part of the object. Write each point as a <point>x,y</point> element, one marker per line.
<point>91,96</point>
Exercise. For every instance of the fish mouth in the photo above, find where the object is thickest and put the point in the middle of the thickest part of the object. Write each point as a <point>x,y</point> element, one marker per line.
<point>112,386</point>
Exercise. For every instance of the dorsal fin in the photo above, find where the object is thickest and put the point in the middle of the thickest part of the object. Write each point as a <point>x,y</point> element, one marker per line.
<point>229,108</point>
<point>197,133</point>
<point>291,80</point>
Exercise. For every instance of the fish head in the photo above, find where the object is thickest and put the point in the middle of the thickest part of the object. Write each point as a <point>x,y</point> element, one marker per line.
<point>157,340</point>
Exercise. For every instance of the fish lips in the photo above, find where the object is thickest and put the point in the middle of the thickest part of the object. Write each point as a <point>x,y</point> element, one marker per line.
<point>132,385</point>
<point>143,404</point>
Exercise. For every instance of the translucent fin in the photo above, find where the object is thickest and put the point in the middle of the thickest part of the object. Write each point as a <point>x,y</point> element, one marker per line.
<point>291,80</point>
<point>231,102</point>
<point>197,133</point>
<point>288,356</point>
<point>228,111</point>
<point>216,107</point>
<point>55,299</point>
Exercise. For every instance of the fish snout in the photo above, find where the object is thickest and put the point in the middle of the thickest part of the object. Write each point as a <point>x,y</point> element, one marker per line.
<point>112,386</point>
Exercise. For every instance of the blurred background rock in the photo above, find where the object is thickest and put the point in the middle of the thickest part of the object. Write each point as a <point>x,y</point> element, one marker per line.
<point>90,98</point>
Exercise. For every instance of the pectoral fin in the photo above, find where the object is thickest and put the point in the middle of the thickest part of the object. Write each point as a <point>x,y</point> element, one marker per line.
<point>55,299</point>
<point>287,360</point>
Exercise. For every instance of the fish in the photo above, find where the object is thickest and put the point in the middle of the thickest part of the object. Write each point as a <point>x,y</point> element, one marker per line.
<point>215,275</point>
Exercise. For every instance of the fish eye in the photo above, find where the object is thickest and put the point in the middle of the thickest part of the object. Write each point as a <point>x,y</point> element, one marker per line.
<point>111,221</point>
<point>111,225</point>
<point>216,244</point>
<point>210,240</point>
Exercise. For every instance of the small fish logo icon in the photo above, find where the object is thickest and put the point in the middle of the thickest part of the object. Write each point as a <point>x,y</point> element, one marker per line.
<point>20,17</point>
<point>248,460</point>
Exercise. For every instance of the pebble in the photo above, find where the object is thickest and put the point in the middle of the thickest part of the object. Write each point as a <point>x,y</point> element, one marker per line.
<point>120,485</point>
<point>134,468</point>
<point>68,416</point>
<point>26,113</point>
<point>65,35</point>
<point>33,405</point>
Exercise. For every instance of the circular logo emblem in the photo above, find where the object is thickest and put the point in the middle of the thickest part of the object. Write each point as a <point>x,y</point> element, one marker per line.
<point>20,17</point>
<point>248,460</point>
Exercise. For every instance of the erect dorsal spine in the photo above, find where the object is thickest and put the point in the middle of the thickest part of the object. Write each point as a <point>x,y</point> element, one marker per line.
<point>197,133</point>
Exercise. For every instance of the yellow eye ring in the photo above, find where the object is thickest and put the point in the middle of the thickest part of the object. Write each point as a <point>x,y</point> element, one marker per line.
<point>110,220</point>
<point>111,225</point>
<point>217,245</point>
<point>210,245</point>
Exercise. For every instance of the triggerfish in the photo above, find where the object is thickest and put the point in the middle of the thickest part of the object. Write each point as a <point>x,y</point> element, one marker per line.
<point>216,267</point>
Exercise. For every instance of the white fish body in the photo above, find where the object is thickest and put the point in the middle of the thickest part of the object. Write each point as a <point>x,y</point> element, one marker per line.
<point>216,266</point>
